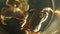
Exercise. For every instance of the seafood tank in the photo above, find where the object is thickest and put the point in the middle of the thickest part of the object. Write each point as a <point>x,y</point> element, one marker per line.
<point>29,16</point>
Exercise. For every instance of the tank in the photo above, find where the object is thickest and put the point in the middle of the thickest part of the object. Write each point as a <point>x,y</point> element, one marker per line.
<point>29,17</point>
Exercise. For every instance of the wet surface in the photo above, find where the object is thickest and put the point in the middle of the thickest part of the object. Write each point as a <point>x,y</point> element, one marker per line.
<point>54,27</point>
